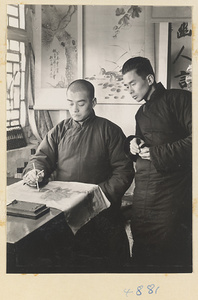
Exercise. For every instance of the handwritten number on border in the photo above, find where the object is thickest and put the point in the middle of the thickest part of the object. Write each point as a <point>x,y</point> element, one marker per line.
<point>150,290</point>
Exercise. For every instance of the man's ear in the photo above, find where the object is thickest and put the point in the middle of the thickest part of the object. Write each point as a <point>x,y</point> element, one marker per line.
<point>94,102</point>
<point>150,79</point>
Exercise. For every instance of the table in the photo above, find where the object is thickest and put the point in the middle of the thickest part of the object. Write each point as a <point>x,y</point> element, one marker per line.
<point>44,245</point>
<point>80,202</point>
<point>36,246</point>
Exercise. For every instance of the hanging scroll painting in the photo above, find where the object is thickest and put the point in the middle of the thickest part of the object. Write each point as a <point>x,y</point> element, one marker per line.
<point>112,34</point>
<point>57,53</point>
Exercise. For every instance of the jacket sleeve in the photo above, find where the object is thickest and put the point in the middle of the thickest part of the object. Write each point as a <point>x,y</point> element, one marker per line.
<point>177,154</point>
<point>138,135</point>
<point>122,171</point>
<point>45,157</point>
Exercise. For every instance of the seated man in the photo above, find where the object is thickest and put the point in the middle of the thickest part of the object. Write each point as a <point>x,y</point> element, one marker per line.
<point>86,148</point>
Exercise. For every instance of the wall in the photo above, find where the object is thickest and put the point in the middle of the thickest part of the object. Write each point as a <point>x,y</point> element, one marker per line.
<point>111,35</point>
<point>124,116</point>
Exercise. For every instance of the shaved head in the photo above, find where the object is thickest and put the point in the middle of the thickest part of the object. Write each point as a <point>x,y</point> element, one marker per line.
<point>80,99</point>
<point>82,85</point>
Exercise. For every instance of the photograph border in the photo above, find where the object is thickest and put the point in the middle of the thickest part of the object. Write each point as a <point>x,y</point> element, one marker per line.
<point>96,286</point>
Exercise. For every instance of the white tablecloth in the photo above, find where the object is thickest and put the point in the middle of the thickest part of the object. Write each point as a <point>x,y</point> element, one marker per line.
<point>80,202</point>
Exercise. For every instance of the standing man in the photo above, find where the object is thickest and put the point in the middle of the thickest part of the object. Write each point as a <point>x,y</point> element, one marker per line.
<point>161,220</point>
<point>86,148</point>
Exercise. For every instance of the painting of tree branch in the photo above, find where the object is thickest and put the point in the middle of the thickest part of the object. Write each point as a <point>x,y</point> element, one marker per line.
<point>57,31</point>
<point>59,45</point>
<point>112,35</point>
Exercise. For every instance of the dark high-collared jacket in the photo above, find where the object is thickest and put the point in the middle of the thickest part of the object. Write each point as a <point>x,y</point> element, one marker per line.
<point>91,152</point>
<point>162,195</point>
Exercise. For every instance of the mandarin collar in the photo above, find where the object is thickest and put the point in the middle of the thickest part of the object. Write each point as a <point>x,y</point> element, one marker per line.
<point>160,89</point>
<point>86,121</point>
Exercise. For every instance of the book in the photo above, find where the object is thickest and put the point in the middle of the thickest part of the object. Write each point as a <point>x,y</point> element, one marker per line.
<point>26,209</point>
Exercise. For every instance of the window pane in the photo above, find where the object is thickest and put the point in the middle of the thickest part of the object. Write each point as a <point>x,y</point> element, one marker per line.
<point>12,10</point>
<point>8,114</point>
<point>9,67</point>
<point>22,16</point>
<point>16,68</point>
<point>22,48</point>
<point>14,123</point>
<point>23,113</point>
<point>9,81</point>
<point>16,97</point>
<point>22,86</point>
<point>14,45</point>
<point>14,114</point>
<point>12,57</point>
<point>17,78</point>
<point>10,93</point>
<point>8,104</point>
<point>13,22</point>
<point>23,62</point>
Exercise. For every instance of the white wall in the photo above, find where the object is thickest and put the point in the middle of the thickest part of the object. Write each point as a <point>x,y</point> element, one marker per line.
<point>122,115</point>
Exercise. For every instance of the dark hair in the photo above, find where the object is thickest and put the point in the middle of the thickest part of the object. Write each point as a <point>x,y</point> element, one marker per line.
<point>141,65</point>
<point>82,84</point>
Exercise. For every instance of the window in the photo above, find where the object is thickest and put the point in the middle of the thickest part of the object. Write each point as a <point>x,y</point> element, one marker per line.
<point>16,61</point>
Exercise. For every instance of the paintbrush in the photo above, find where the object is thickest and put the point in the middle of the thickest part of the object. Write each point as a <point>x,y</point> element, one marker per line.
<point>37,185</point>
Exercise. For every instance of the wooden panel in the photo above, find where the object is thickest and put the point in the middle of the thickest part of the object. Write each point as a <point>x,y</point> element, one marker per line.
<point>170,13</point>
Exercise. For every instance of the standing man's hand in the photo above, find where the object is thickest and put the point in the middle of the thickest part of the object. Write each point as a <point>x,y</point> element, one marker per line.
<point>137,146</point>
<point>144,153</point>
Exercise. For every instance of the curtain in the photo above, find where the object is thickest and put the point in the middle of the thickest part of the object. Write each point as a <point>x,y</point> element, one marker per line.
<point>39,120</point>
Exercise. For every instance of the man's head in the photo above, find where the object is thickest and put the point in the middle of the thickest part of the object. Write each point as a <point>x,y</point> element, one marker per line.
<point>81,99</point>
<point>139,78</point>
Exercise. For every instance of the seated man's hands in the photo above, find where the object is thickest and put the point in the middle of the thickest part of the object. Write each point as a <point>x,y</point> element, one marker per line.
<point>137,146</point>
<point>33,176</point>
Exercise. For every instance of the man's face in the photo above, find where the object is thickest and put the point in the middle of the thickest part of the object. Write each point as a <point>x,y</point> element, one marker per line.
<point>137,87</point>
<point>79,105</point>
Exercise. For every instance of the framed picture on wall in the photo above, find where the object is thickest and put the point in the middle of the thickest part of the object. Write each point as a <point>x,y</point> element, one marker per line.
<point>58,53</point>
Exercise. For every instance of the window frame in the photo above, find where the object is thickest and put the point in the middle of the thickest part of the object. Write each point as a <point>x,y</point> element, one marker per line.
<point>19,35</point>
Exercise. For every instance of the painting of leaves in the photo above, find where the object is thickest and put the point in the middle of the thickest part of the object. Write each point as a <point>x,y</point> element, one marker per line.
<point>126,15</point>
